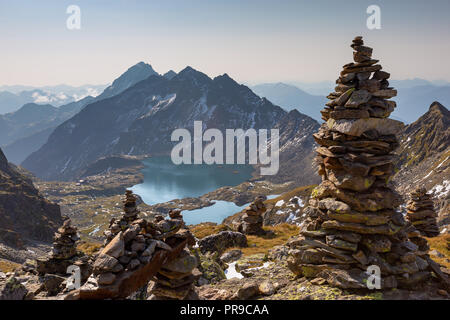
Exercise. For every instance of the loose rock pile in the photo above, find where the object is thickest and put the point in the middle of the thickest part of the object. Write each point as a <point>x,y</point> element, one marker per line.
<point>421,214</point>
<point>351,221</point>
<point>252,220</point>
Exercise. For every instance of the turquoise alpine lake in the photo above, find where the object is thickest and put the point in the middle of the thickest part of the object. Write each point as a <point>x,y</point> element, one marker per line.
<point>165,181</point>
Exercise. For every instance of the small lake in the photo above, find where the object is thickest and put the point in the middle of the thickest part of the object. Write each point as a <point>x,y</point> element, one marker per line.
<point>165,181</point>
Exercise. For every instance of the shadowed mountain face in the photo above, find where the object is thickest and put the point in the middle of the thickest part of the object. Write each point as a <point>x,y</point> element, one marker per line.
<point>140,121</point>
<point>24,213</point>
<point>424,156</point>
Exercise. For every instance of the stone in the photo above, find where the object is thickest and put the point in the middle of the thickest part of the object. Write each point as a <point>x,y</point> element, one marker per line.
<point>357,98</point>
<point>358,127</point>
<point>116,247</point>
<point>221,241</point>
<point>266,288</point>
<point>247,291</point>
<point>385,93</point>
<point>106,278</point>
<point>104,263</point>
<point>185,263</point>
<point>231,255</point>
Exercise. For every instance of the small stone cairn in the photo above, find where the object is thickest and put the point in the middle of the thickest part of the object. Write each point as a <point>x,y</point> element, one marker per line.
<point>352,221</point>
<point>421,214</point>
<point>252,219</point>
<point>175,280</point>
<point>130,214</point>
<point>65,241</point>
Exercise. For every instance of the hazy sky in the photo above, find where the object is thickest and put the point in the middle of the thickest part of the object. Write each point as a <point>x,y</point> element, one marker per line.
<point>252,40</point>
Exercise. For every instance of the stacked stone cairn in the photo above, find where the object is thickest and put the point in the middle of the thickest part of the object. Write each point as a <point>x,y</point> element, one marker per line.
<point>130,214</point>
<point>65,241</point>
<point>352,221</point>
<point>176,279</point>
<point>52,270</point>
<point>421,214</point>
<point>130,243</point>
<point>252,219</point>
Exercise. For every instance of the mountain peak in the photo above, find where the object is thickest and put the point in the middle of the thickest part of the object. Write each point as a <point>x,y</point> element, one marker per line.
<point>191,73</point>
<point>436,106</point>
<point>169,74</point>
<point>140,71</point>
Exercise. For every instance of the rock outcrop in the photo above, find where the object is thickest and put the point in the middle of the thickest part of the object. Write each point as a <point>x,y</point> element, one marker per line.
<point>352,222</point>
<point>221,241</point>
<point>421,214</point>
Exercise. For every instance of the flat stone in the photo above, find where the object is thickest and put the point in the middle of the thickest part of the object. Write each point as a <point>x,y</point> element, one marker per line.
<point>385,93</point>
<point>360,228</point>
<point>358,127</point>
<point>368,219</point>
<point>335,242</point>
<point>116,247</point>
<point>334,205</point>
<point>106,278</point>
<point>105,263</point>
<point>357,98</point>
<point>183,264</point>
<point>348,181</point>
<point>349,114</point>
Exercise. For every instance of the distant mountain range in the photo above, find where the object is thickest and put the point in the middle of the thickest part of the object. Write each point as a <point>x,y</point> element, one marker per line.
<point>290,97</point>
<point>413,97</point>
<point>14,97</point>
<point>27,129</point>
<point>140,120</point>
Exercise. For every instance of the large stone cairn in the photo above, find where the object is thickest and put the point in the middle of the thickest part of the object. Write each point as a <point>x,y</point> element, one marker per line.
<point>352,221</point>
<point>252,220</point>
<point>176,279</point>
<point>421,214</point>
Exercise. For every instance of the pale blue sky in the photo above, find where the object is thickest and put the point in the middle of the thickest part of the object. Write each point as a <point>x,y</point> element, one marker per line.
<point>252,40</point>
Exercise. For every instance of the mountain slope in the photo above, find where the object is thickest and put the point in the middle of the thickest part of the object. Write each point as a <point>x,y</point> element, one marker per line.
<point>424,156</point>
<point>296,144</point>
<point>290,97</point>
<point>140,121</point>
<point>24,213</point>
